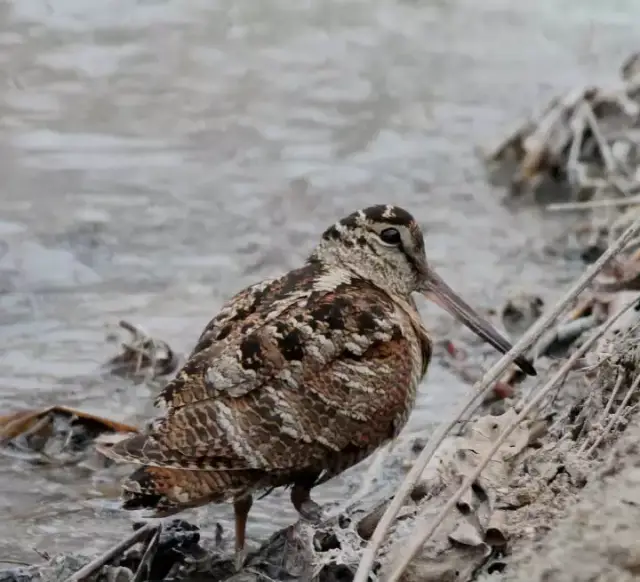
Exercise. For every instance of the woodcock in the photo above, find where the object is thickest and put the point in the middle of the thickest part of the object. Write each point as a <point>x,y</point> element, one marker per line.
<point>300,377</point>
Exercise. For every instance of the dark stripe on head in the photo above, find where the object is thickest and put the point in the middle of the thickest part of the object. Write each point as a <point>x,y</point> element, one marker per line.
<point>351,221</point>
<point>389,214</point>
<point>380,213</point>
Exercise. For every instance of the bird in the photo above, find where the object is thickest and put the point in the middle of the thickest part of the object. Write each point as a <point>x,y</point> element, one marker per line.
<point>298,377</point>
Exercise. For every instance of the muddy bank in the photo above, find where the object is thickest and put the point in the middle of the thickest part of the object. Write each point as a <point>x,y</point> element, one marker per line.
<point>598,537</point>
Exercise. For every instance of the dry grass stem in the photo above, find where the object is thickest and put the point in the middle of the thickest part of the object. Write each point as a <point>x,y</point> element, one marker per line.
<point>607,408</point>
<point>614,392</point>
<point>616,417</point>
<point>593,204</point>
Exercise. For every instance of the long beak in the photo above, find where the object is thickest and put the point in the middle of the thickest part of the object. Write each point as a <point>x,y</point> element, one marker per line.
<point>439,292</point>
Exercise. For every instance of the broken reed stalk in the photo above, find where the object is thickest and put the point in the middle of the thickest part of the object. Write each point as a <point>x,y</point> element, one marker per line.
<point>93,566</point>
<point>419,538</point>
<point>480,390</point>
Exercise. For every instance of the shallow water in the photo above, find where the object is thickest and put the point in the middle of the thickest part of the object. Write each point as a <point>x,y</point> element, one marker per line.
<point>158,156</point>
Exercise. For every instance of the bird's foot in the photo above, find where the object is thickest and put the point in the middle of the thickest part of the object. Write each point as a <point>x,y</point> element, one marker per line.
<point>310,511</point>
<point>240,559</point>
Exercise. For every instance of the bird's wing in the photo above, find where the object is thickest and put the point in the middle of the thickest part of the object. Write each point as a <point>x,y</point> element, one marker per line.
<point>331,370</point>
<point>235,311</point>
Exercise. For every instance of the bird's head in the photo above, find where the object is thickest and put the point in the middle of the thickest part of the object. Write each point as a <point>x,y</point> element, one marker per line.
<point>384,245</point>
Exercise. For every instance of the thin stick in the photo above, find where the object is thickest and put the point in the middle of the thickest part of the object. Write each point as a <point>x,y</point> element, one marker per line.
<point>119,548</point>
<point>480,390</point>
<point>616,416</point>
<point>605,413</point>
<point>589,204</point>
<point>614,392</point>
<point>418,538</point>
<point>144,568</point>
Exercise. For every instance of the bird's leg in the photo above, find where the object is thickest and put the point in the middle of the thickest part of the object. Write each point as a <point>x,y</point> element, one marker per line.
<point>241,509</point>
<point>301,497</point>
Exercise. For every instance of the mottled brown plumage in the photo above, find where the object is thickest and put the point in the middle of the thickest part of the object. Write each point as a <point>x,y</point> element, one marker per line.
<point>297,378</point>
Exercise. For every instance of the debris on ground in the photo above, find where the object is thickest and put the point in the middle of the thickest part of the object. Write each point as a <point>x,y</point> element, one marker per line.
<point>585,143</point>
<point>142,358</point>
<point>57,434</point>
<point>154,551</point>
<point>581,154</point>
<point>520,311</point>
<point>595,538</point>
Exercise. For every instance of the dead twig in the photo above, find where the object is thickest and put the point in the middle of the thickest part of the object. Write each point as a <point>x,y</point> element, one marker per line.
<point>480,391</point>
<point>95,565</point>
<point>144,568</point>
<point>611,424</point>
<point>418,539</point>
<point>614,392</point>
<point>14,562</point>
<point>591,204</point>
<point>607,408</point>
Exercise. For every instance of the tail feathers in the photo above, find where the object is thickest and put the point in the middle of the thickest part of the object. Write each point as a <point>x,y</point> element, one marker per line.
<point>168,491</point>
<point>147,450</point>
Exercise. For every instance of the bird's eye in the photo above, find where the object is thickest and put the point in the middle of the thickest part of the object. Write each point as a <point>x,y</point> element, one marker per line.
<point>390,236</point>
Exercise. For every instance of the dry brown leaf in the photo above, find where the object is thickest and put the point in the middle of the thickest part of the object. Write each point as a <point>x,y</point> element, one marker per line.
<point>56,430</point>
